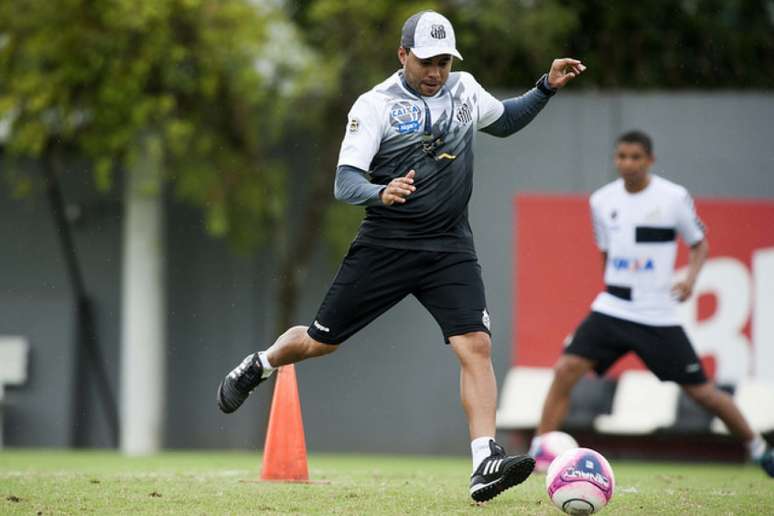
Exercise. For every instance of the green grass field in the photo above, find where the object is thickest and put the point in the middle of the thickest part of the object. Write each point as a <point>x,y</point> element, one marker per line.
<point>50,482</point>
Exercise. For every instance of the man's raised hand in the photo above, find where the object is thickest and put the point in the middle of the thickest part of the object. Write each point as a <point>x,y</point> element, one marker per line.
<point>398,189</point>
<point>563,71</point>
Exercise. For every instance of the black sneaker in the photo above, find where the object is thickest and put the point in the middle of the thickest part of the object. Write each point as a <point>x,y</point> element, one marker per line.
<point>767,462</point>
<point>499,472</point>
<point>239,383</point>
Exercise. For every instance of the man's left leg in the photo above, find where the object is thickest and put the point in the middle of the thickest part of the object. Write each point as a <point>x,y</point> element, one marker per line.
<point>494,471</point>
<point>722,405</point>
<point>668,352</point>
<point>478,386</point>
<point>452,290</point>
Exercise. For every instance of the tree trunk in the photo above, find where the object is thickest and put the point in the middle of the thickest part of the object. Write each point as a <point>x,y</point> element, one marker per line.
<point>296,256</point>
<point>87,351</point>
<point>295,262</point>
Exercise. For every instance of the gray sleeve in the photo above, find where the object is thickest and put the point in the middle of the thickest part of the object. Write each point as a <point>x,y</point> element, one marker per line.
<point>353,187</point>
<point>519,112</point>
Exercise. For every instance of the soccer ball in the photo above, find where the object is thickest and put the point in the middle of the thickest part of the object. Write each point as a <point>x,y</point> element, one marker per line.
<point>580,481</point>
<point>550,446</point>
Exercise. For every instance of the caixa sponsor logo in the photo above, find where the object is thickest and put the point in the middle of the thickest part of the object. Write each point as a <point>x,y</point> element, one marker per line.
<point>405,117</point>
<point>632,264</point>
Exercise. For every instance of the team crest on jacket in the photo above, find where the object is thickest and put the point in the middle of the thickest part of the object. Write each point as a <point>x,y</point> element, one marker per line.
<point>405,117</point>
<point>465,113</point>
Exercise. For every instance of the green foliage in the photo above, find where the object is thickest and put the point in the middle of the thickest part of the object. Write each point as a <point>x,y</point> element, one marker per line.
<point>340,227</point>
<point>510,44</point>
<point>692,44</point>
<point>221,84</point>
<point>195,76</point>
<point>359,38</point>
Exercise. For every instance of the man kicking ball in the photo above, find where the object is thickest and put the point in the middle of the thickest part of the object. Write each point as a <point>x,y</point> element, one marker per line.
<point>407,155</point>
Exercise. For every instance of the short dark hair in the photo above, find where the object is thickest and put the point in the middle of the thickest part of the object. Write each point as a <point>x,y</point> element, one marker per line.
<point>637,136</point>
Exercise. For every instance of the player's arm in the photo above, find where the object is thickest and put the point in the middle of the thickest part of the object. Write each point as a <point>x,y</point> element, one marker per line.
<point>692,230</point>
<point>362,138</point>
<point>520,111</point>
<point>353,187</point>
<point>600,232</point>
<point>682,290</point>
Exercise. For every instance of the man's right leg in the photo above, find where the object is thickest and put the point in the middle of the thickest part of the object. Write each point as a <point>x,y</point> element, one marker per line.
<point>296,345</point>
<point>292,346</point>
<point>369,282</point>
<point>569,369</point>
<point>594,346</point>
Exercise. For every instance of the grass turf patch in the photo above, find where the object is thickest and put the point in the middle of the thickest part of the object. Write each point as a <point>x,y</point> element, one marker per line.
<point>64,482</point>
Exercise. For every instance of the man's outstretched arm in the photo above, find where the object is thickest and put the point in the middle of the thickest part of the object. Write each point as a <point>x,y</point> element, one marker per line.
<point>520,111</point>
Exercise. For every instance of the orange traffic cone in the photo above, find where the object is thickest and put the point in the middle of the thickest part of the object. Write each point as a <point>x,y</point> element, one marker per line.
<point>284,454</point>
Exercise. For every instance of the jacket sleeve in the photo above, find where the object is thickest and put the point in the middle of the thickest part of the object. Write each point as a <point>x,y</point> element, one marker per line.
<point>353,187</point>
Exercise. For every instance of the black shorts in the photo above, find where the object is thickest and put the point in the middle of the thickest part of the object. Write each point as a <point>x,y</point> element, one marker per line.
<point>371,280</point>
<point>666,350</point>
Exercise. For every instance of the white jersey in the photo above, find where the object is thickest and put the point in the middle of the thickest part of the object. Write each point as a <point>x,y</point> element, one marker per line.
<point>391,131</point>
<point>389,118</point>
<point>638,232</point>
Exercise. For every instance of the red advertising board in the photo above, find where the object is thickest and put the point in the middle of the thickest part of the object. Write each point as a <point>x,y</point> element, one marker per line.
<point>558,272</point>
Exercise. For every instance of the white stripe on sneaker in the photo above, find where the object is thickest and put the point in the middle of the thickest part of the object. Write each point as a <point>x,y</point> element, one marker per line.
<point>476,487</point>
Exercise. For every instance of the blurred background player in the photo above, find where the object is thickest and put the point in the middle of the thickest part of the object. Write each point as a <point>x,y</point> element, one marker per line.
<point>636,220</point>
<point>407,155</point>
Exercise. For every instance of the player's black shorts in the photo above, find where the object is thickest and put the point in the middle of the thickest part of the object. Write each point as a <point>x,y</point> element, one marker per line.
<point>371,280</point>
<point>666,350</point>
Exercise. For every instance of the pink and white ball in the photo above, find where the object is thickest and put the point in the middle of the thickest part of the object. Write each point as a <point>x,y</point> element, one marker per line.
<point>580,481</point>
<point>549,446</point>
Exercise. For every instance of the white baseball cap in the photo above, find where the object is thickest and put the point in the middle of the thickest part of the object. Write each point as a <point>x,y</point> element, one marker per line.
<point>428,34</point>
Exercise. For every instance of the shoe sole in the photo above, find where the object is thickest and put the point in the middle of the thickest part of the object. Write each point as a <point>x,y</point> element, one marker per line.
<point>221,406</point>
<point>513,475</point>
